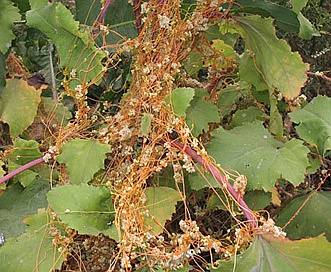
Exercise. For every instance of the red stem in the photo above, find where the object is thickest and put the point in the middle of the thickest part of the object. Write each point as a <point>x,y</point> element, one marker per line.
<point>319,75</point>
<point>21,169</point>
<point>104,10</point>
<point>136,9</point>
<point>221,180</point>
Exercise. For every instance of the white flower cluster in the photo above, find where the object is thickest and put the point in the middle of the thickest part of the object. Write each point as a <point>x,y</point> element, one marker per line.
<point>320,53</point>
<point>177,173</point>
<point>240,184</point>
<point>269,226</point>
<point>188,165</point>
<point>164,21</point>
<point>80,92</point>
<point>214,3</point>
<point>104,29</point>
<point>125,133</point>
<point>301,98</point>
<point>52,151</point>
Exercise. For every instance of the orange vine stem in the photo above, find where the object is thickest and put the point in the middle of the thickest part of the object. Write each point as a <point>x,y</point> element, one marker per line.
<point>221,180</point>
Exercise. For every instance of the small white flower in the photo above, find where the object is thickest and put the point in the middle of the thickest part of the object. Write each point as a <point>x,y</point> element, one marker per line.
<point>164,21</point>
<point>73,73</point>
<point>47,157</point>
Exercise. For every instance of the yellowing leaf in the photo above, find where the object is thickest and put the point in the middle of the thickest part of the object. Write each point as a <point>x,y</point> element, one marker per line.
<point>161,202</point>
<point>268,253</point>
<point>273,58</point>
<point>275,199</point>
<point>83,158</point>
<point>18,105</point>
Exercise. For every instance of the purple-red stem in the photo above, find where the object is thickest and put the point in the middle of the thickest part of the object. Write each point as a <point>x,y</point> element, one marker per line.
<point>104,10</point>
<point>136,9</point>
<point>21,169</point>
<point>317,75</point>
<point>189,151</point>
<point>221,179</point>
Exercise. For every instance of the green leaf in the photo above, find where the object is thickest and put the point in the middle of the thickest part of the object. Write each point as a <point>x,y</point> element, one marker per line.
<point>78,55</point>
<point>145,124</point>
<point>2,173</point>
<point>306,28</point>
<point>24,152</point>
<point>276,121</point>
<point>19,105</point>
<point>32,251</point>
<point>257,199</point>
<point>87,11</point>
<point>273,58</point>
<point>89,155</point>
<point>297,5</point>
<point>268,253</point>
<point>26,177</point>
<point>197,181</point>
<point>315,123</point>
<point>23,5</point>
<point>248,72</point>
<point>285,18</point>
<point>248,115</point>
<point>220,201</point>
<point>193,63</point>
<point>3,72</point>
<point>161,203</point>
<point>251,150</point>
<point>231,95</point>
<point>119,17</point>
<point>8,14</point>
<point>56,109</point>
<point>180,100</point>
<point>312,220</point>
<point>200,113</point>
<point>16,203</point>
<point>85,208</point>
<point>314,164</point>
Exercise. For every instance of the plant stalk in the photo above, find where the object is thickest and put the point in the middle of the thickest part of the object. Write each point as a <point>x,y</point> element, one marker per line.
<point>221,180</point>
<point>21,169</point>
<point>104,10</point>
<point>136,9</point>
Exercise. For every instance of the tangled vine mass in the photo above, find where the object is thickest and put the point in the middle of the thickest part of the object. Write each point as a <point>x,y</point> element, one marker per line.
<point>159,51</point>
<point>147,137</point>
